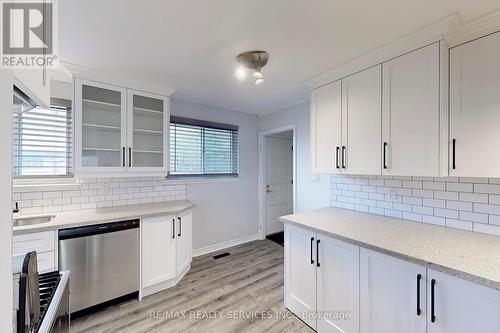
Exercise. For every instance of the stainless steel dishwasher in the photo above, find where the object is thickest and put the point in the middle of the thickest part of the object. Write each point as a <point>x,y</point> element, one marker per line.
<point>104,263</point>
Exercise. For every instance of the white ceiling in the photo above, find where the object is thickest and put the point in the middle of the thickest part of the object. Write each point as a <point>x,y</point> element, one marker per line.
<point>190,45</point>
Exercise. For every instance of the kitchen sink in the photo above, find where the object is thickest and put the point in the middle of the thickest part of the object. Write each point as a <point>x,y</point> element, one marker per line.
<point>21,221</point>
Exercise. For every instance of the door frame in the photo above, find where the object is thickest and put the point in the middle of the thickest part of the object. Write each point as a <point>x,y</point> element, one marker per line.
<point>262,173</point>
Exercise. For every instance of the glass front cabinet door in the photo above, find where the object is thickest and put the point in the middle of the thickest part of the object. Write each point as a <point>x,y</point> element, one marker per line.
<point>119,131</point>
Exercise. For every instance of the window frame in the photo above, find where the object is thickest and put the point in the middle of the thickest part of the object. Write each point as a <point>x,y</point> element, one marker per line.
<point>205,176</point>
<point>56,180</point>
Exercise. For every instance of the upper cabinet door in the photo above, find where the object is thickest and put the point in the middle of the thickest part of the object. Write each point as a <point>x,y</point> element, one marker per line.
<point>411,113</point>
<point>392,294</point>
<point>101,118</point>
<point>461,306</point>
<point>475,108</point>
<point>326,127</point>
<point>362,122</point>
<point>148,121</point>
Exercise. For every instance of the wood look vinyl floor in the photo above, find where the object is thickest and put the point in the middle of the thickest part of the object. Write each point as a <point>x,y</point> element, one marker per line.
<point>242,292</point>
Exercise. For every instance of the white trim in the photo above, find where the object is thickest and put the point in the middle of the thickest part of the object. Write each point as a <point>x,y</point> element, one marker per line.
<point>92,75</point>
<point>18,188</point>
<point>450,28</point>
<point>202,180</point>
<point>262,173</point>
<point>224,245</point>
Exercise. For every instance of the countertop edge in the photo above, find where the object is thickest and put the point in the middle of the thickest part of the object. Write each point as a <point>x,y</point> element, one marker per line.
<point>42,228</point>
<point>443,269</point>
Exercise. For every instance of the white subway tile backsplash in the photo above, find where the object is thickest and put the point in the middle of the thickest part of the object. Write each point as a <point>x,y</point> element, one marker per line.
<point>487,188</point>
<point>473,197</point>
<point>463,203</point>
<point>109,192</point>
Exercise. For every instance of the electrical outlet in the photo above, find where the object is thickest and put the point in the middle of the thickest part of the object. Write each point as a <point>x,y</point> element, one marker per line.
<point>315,178</point>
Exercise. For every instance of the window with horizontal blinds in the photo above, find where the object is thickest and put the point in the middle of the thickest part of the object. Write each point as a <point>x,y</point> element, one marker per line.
<point>201,148</point>
<point>42,141</point>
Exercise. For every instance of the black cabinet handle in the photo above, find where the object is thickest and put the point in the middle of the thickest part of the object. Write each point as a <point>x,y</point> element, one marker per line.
<point>129,157</point>
<point>317,253</point>
<point>433,287</point>
<point>385,148</point>
<point>173,228</point>
<point>123,156</point>
<point>419,311</point>
<point>312,241</point>
<point>454,143</point>
<point>180,226</point>
<point>337,157</point>
<point>343,157</point>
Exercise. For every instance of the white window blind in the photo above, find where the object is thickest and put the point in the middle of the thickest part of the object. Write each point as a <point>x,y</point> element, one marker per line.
<point>201,148</point>
<point>42,141</point>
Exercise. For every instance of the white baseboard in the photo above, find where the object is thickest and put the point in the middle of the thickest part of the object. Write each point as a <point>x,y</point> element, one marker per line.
<point>224,245</point>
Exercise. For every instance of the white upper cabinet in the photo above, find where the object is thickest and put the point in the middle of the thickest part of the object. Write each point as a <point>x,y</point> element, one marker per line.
<point>147,131</point>
<point>412,113</point>
<point>119,131</point>
<point>326,127</point>
<point>475,108</point>
<point>392,294</point>
<point>362,122</point>
<point>459,306</point>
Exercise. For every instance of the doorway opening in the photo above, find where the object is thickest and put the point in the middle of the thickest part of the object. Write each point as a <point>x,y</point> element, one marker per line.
<point>277,180</point>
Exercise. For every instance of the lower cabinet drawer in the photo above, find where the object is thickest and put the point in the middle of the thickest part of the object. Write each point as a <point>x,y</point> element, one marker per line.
<point>39,242</point>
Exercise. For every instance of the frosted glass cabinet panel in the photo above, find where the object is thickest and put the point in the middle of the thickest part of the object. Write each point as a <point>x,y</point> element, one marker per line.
<point>147,130</point>
<point>119,131</point>
<point>100,122</point>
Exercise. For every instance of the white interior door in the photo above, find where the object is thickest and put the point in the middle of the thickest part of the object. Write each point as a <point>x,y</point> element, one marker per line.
<point>461,306</point>
<point>279,176</point>
<point>362,122</point>
<point>300,273</point>
<point>388,294</point>
<point>326,128</point>
<point>410,111</point>
<point>475,107</point>
<point>338,286</point>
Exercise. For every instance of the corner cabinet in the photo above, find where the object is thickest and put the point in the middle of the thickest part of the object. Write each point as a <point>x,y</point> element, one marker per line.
<point>119,131</point>
<point>166,251</point>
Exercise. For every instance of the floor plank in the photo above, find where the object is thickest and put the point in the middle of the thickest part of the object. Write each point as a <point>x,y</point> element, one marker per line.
<point>242,292</point>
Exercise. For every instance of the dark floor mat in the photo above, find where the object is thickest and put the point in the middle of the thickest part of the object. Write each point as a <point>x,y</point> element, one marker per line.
<point>277,238</point>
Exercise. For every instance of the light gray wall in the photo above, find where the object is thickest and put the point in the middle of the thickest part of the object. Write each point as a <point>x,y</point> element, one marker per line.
<point>310,194</point>
<point>5,201</point>
<point>224,211</point>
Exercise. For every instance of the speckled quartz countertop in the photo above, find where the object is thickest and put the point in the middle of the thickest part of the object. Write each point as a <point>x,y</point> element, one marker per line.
<point>471,256</point>
<point>104,215</point>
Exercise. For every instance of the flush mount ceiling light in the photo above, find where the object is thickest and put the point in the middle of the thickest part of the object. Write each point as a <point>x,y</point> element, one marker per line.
<point>252,61</point>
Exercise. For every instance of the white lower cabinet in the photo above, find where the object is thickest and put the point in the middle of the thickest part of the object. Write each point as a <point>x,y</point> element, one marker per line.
<point>184,241</point>
<point>158,250</point>
<point>460,306</point>
<point>337,286</point>
<point>353,289</point>
<point>300,273</point>
<point>388,294</point>
<point>321,280</point>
